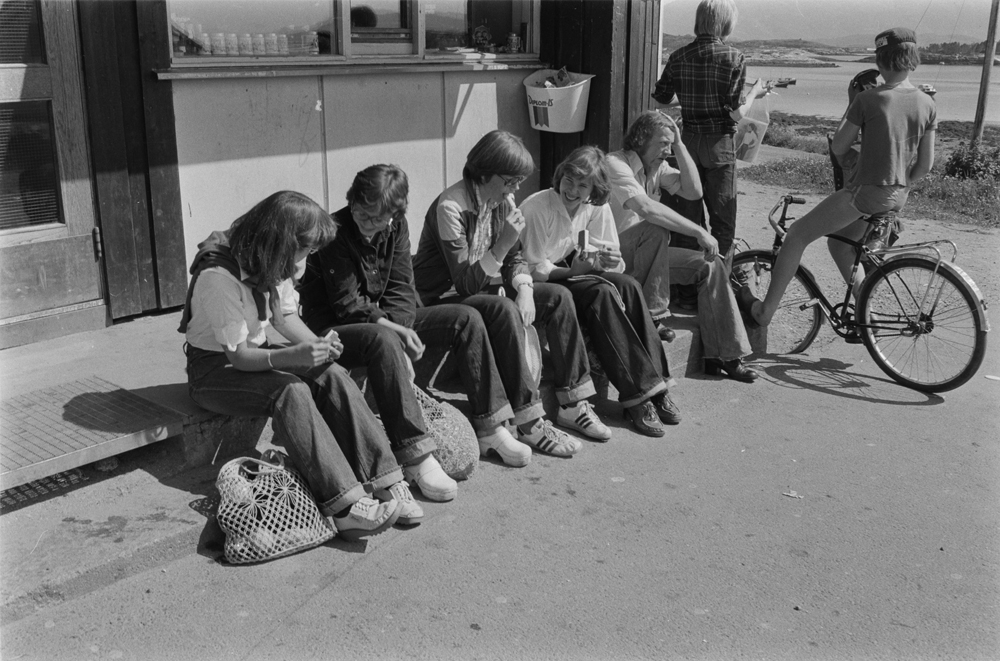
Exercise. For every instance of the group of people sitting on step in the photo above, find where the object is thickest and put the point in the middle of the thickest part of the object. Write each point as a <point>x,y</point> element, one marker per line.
<point>588,258</point>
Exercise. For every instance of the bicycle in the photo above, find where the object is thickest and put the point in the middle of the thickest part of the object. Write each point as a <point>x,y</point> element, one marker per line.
<point>921,317</point>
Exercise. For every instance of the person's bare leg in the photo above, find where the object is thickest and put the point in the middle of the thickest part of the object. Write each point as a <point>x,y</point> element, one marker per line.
<point>843,254</point>
<point>829,216</point>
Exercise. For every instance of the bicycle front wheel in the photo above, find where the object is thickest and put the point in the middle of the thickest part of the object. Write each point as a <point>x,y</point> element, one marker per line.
<point>922,328</point>
<point>796,323</point>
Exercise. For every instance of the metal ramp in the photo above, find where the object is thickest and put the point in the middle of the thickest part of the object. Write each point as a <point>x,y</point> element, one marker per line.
<point>56,429</point>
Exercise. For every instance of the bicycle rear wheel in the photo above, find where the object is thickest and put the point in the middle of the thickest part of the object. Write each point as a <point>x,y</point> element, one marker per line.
<point>796,323</point>
<point>922,329</point>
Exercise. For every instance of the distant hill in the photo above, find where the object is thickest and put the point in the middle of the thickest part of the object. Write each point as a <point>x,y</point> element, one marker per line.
<point>801,44</point>
<point>924,39</point>
<point>672,42</point>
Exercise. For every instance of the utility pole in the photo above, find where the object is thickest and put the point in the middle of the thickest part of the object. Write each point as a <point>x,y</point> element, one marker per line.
<point>984,83</point>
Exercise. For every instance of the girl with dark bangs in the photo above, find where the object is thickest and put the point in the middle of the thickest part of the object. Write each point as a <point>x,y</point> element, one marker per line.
<point>242,282</point>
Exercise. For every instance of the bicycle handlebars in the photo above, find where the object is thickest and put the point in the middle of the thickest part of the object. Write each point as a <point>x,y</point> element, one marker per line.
<point>783,202</point>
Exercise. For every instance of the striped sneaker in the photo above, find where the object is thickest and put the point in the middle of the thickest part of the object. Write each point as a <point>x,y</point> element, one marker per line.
<point>582,418</point>
<point>543,436</point>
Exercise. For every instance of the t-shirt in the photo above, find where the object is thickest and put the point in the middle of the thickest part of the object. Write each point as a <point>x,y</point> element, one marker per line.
<point>224,313</point>
<point>550,235</point>
<point>628,179</point>
<point>893,120</point>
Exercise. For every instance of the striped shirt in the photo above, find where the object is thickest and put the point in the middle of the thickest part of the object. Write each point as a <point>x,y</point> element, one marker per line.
<point>707,77</point>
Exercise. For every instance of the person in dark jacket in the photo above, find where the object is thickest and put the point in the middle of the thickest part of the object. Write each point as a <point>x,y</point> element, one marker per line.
<point>361,286</point>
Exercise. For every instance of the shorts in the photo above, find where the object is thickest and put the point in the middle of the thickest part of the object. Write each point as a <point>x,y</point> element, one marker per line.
<point>868,199</point>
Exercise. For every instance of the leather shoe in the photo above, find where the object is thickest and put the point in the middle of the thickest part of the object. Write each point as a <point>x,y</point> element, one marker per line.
<point>666,334</point>
<point>644,419</point>
<point>734,369</point>
<point>666,410</point>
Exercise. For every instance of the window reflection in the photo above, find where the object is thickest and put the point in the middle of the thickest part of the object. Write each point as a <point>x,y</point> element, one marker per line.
<point>253,28</point>
<point>485,26</point>
<point>381,21</point>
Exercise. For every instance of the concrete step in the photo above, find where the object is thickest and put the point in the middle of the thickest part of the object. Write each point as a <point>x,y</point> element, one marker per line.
<point>143,360</point>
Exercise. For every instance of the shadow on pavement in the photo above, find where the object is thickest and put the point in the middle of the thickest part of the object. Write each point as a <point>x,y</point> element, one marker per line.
<point>835,377</point>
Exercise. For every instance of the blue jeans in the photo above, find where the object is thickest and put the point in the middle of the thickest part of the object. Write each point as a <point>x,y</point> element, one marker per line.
<point>625,340</point>
<point>555,315</point>
<point>332,437</point>
<point>650,260</point>
<point>381,351</point>
<point>461,330</point>
<point>714,155</point>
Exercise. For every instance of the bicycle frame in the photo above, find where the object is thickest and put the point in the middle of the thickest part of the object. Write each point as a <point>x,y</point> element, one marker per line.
<point>838,315</point>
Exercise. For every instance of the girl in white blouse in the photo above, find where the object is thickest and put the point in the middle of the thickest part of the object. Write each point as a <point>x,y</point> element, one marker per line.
<point>570,239</point>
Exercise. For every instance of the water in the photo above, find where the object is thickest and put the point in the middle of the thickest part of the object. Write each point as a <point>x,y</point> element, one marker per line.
<point>823,91</point>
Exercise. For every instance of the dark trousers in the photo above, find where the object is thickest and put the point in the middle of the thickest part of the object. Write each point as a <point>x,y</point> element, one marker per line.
<point>380,350</point>
<point>331,435</point>
<point>625,340</point>
<point>715,157</point>
<point>461,330</point>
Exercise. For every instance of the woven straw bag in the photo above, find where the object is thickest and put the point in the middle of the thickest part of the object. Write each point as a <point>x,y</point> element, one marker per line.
<point>266,510</point>
<point>457,450</point>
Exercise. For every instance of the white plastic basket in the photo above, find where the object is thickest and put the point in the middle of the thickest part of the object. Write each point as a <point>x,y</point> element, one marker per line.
<point>557,109</point>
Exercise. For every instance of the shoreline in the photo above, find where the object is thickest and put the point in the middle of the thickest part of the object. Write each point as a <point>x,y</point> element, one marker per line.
<point>798,64</point>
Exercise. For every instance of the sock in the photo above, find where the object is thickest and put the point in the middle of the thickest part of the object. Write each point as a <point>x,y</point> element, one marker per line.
<point>342,513</point>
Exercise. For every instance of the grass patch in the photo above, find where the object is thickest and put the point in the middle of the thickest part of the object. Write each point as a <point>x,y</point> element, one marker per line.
<point>795,174</point>
<point>783,136</point>
<point>972,201</point>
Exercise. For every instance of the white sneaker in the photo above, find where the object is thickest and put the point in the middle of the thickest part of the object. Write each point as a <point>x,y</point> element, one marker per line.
<point>582,418</point>
<point>366,517</point>
<point>547,438</point>
<point>510,450</point>
<point>410,512</point>
<point>430,478</point>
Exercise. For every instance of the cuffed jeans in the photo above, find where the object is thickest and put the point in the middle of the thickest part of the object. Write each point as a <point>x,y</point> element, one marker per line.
<point>381,351</point>
<point>331,435</point>
<point>461,329</point>
<point>650,260</point>
<point>555,315</point>
<point>625,340</point>
<point>506,335</point>
<point>714,155</point>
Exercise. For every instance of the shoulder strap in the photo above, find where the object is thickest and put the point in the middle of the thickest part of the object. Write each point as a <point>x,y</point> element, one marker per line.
<point>217,255</point>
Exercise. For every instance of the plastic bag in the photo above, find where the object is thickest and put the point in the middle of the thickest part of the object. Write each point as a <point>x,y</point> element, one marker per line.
<point>750,131</point>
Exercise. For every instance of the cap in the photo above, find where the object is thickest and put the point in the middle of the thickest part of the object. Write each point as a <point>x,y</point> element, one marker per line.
<point>894,37</point>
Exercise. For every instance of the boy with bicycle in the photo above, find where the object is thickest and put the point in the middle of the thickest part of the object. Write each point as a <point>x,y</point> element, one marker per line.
<point>898,122</point>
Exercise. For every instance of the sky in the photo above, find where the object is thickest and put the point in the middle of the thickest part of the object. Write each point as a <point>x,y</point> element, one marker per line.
<point>824,20</point>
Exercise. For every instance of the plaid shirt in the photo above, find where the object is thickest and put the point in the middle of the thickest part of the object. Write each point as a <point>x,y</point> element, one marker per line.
<point>707,76</point>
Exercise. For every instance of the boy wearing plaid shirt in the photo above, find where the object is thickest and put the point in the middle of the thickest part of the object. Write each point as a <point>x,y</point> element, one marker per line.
<point>706,79</point>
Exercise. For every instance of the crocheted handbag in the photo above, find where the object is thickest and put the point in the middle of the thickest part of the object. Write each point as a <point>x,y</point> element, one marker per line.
<point>457,450</point>
<point>266,510</point>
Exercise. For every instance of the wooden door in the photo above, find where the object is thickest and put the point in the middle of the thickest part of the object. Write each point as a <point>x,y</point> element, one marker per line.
<point>50,257</point>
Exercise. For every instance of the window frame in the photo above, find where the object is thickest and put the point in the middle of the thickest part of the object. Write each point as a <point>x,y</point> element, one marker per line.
<point>354,57</point>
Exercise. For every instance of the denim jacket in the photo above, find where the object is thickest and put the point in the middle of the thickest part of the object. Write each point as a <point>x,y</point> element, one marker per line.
<point>350,281</point>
